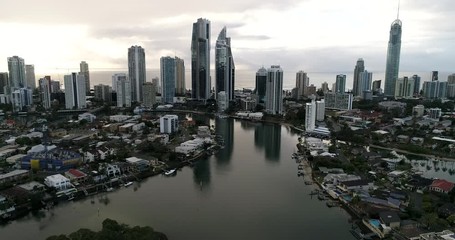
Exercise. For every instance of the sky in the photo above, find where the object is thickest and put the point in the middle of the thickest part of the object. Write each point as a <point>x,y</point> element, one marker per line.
<point>311,35</point>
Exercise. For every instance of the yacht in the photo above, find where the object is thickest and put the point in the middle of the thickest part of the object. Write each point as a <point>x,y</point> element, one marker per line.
<point>169,172</point>
<point>128,184</point>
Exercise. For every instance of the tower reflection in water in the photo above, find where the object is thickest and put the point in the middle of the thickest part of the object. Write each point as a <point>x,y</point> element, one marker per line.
<point>268,136</point>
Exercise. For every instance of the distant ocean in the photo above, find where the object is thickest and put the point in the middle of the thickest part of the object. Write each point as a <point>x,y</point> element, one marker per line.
<point>246,78</point>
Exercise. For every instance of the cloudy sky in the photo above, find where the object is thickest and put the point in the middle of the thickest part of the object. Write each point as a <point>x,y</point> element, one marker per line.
<point>309,35</point>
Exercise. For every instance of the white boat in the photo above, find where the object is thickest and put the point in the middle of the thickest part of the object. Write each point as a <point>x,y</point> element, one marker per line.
<point>170,172</point>
<point>110,189</point>
<point>128,184</point>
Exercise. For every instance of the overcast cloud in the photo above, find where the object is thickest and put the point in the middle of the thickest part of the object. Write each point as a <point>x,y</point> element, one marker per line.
<point>311,35</point>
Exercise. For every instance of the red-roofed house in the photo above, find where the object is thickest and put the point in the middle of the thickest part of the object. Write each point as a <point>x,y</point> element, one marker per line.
<point>76,175</point>
<point>442,186</point>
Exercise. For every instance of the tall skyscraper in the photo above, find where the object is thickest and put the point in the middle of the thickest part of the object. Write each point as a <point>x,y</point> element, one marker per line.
<point>180,89</point>
<point>416,79</point>
<point>55,86</point>
<point>261,83</point>
<point>435,89</point>
<point>274,90</point>
<point>376,86</point>
<point>325,87</point>
<point>340,83</point>
<point>136,71</point>
<point>83,69</point>
<point>16,68</point>
<point>301,83</point>
<point>393,58</point>
<point>310,116</point>
<point>434,76</point>
<point>4,82</point>
<point>168,79</point>
<point>224,66</point>
<point>75,92</point>
<point>123,89</point>
<point>20,98</point>
<point>200,60</point>
<point>320,110</point>
<point>30,76</point>
<point>156,81</point>
<point>364,82</point>
<point>45,86</point>
<point>149,94</point>
<point>359,67</point>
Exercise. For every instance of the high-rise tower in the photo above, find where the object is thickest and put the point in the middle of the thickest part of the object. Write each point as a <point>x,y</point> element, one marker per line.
<point>274,90</point>
<point>200,60</point>
<point>83,69</point>
<point>359,67</point>
<point>16,68</point>
<point>168,79</point>
<point>224,66</point>
<point>75,91</point>
<point>136,71</point>
<point>180,89</point>
<point>393,57</point>
<point>261,82</point>
<point>30,76</point>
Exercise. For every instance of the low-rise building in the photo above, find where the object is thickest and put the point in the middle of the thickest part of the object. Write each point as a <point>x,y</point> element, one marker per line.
<point>55,160</point>
<point>76,175</point>
<point>87,116</point>
<point>58,181</point>
<point>441,185</point>
<point>390,219</point>
<point>13,176</point>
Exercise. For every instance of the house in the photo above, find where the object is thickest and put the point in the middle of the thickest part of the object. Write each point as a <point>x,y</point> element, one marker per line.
<point>138,164</point>
<point>419,183</point>
<point>6,207</point>
<point>58,133</point>
<point>113,170</point>
<point>402,139</point>
<point>359,184</point>
<point>417,141</point>
<point>390,219</point>
<point>76,175</point>
<point>58,181</point>
<point>33,187</point>
<point>441,185</point>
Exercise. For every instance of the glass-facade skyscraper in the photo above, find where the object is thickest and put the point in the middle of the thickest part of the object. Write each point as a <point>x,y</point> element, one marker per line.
<point>200,60</point>
<point>224,66</point>
<point>340,83</point>
<point>393,58</point>
<point>168,79</point>
<point>359,67</point>
<point>16,69</point>
<point>136,71</point>
<point>83,69</point>
<point>274,90</point>
<point>261,80</point>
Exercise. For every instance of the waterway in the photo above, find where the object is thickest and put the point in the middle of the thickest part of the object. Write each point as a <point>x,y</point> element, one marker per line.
<point>248,190</point>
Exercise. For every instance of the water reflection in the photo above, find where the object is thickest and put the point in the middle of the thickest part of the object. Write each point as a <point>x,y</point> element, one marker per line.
<point>225,129</point>
<point>269,136</point>
<point>201,174</point>
<point>435,169</point>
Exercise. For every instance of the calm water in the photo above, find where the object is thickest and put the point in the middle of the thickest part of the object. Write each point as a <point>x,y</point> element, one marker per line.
<point>249,190</point>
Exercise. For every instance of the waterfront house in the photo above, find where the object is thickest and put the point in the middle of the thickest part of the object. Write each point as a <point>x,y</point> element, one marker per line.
<point>359,184</point>
<point>138,164</point>
<point>390,219</point>
<point>76,175</point>
<point>335,179</point>
<point>6,207</point>
<point>58,181</point>
<point>113,170</point>
<point>442,186</point>
<point>33,187</point>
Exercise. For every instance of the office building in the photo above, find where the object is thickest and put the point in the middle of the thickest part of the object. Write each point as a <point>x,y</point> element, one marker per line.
<point>103,92</point>
<point>30,78</point>
<point>393,58</point>
<point>156,82</point>
<point>434,76</point>
<point>434,89</point>
<point>325,87</point>
<point>310,90</point>
<point>301,83</point>
<point>338,101</point>
<point>451,79</point>
<point>200,60</point>
<point>149,94</point>
<point>180,89</point>
<point>136,71</point>
<point>364,81</point>
<point>75,92</point>
<point>16,69</point>
<point>310,116</point>
<point>45,87</point>
<point>168,79</point>
<point>418,111</point>
<point>169,124</point>
<point>260,89</point>
<point>340,83</point>
<point>274,90</point>
<point>224,66</point>
<point>83,70</point>
<point>404,87</point>
<point>20,98</point>
<point>435,113</point>
<point>55,86</point>
<point>376,86</point>
<point>359,67</point>
<point>123,89</point>
<point>320,110</point>
<point>4,82</point>
<point>416,79</point>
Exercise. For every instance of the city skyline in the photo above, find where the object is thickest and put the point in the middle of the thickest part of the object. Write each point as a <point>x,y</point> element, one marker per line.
<point>258,41</point>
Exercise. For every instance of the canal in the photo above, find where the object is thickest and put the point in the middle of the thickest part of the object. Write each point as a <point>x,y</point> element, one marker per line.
<point>248,190</point>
